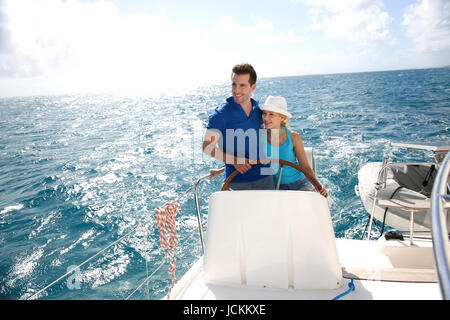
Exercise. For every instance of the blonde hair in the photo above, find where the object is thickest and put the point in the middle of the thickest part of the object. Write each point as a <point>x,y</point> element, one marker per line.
<point>284,123</point>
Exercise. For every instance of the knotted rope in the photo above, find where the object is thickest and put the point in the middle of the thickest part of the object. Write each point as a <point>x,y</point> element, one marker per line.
<point>165,221</point>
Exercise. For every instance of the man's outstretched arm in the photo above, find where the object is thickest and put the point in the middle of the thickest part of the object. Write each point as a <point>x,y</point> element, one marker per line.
<point>210,148</point>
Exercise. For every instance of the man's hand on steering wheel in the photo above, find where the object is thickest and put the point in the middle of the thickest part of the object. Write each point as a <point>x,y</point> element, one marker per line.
<point>242,165</point>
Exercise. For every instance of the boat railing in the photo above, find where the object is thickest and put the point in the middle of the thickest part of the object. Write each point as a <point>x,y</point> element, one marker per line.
<point>197,207</point>
<point>439,230</point>
<point>140,225</point>
<point>439,153</point>
<point>381,183</point>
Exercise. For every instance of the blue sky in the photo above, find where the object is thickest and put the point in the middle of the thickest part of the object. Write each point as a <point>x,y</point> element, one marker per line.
<point>65,46</point>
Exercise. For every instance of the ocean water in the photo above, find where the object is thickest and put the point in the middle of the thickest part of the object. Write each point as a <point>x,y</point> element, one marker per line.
<point>78,172</point>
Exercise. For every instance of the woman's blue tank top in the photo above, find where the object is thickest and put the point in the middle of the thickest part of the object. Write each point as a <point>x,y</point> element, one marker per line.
<point>285,152</point>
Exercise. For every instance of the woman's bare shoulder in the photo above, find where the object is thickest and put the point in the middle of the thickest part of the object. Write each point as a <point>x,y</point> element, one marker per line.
<point>295,135</point>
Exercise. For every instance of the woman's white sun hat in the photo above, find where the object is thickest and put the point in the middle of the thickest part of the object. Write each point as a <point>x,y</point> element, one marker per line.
<point>276,104</point>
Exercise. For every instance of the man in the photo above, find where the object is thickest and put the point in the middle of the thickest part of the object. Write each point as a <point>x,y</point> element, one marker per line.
<point>232,134</point>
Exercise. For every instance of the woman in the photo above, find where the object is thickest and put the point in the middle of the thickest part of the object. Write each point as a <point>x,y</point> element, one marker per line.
<point>289,145</point>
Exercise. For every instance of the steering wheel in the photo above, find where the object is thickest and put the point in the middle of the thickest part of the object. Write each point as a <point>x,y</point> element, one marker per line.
<point>313,180</point>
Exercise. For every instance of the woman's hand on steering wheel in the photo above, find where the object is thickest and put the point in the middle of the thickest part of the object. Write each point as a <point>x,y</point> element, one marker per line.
<point>323,192</point>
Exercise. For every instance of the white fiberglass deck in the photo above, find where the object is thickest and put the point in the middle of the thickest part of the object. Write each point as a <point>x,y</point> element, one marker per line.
<point>411,266</point>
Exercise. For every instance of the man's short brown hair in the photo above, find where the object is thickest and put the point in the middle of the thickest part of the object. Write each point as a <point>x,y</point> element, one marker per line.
<point>245,68</point>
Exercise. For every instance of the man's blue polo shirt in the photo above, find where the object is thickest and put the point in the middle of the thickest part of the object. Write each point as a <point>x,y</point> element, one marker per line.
<point>239,136</point>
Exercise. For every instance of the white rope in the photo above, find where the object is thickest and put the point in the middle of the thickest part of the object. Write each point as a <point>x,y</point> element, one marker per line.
<point>166,223</point>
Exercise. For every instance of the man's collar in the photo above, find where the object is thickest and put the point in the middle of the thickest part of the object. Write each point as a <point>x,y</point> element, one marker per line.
<point>254,102</point>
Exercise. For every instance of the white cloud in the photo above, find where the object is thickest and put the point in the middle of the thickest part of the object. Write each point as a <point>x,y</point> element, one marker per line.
<point>358,21</point>
<point>91,46</point>
<point>336,61</point>
<point>427,22</point>
<point>261,31</point>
